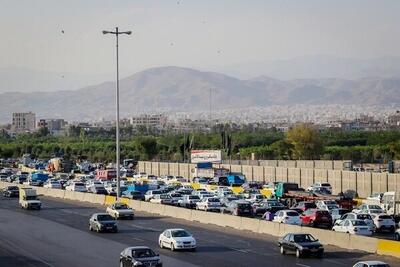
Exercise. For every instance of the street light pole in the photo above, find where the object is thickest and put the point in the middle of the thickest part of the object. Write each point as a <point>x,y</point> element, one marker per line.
<point>117,33</point>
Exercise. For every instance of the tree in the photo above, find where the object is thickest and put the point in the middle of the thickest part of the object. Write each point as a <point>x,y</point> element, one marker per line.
<point>306,142</point>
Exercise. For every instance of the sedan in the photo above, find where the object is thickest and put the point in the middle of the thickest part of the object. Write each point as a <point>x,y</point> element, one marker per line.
<point>177,239</point>
<point>136,195</point>
<point>371,264</point>
<point>209,204</point>
<point>355,227</point>
<point>11,191</point>
<point>120,211</point>
<point>103,222</point>
<point>139,256</point>
<point>301,244</point>
<point>287,217</point>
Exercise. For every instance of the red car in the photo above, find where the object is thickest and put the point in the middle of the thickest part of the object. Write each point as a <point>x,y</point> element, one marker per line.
<point>316,218</point>
<point>305,205</point>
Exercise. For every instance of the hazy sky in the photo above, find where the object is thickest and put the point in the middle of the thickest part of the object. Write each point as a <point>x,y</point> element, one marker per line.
<point>197,33</point>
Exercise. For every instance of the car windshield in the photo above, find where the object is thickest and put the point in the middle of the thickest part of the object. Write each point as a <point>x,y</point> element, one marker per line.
<point>165,196</point>
<point>244,205</point>
<point>303,238</point>
<point>385,217</point>
<point>121,206</point>
<point>363,216</point>
<point>104,217</point>
<point>341,212</point>
<point>194,197</point>
<point>142,253</point>
<point>13,188</point>
<point>180,233</point>
<point>358,223</point>
<point>325,184</point>
<point>374,207</point>
<point>213,200</point>
<point>292,213</point>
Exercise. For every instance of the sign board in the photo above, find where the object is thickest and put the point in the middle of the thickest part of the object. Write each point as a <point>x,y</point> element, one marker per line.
<point>199,156</point>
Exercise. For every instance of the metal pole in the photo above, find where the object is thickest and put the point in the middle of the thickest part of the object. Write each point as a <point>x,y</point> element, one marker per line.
<point>117,123</point>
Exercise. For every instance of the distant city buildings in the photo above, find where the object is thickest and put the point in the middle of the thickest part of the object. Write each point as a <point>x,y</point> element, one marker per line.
<point>55,126</point>
<point>23,122</point>
<point>157,120</point>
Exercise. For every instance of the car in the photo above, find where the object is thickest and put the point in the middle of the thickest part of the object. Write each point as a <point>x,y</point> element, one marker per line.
<point>209,204</point>
<point>120,211</point>
<point>326,205</point>
<point>11,191</point>
<point>100,190</point>
<point>319,184</point>
<point>93,183</point>
<point>151,193</point>
<point>162,199</point>
<point>371,264</point>
<point>256,198</point>
<point>189,201</point>
<point>176,197</point>
<point>139,256</point>
<point>397,235</point>
<point>337,213</point>
<point>304,205</point>
<point>355,227</point>
<point>368,208</point>
<point>52,184</point>
<point>103,222</point>
<point>376,196</point>
<point>267,206</point>
<point>360,216</point>
<point>227,199</point>
<point>21,179</point>
<point>316,218</point>
<point>238,208</point>
<point>175,239</point>
<point>287,217</point>
<point>383,222</point>
<point>302,244</point>
<point>76,186</point>
<point>136,195</point>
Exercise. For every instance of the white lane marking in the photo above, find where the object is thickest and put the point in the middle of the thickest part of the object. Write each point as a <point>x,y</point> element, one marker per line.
<point>303,265</point>
<point>239,250</point>
<point>137,239</point>
<point>146,228</point>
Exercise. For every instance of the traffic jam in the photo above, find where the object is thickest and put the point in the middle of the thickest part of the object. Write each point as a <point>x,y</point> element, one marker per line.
<point>226,193</point>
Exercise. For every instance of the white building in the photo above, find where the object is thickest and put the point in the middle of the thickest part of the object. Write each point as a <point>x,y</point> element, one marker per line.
<point>23,122</point>
<point>148,120</point>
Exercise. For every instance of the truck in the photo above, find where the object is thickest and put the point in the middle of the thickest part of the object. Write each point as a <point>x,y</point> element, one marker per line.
<point>106,175</point>
<point>28,199</point>
<point>391,204</point>
<point>37,178</point>
<point>291,193</point>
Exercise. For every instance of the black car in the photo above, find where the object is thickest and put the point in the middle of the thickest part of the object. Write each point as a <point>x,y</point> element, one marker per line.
<point>238,208</point>
<point>21,180</point>
<point>11,191</point>
<point>139,256</point>
<point>103,222</point>
<point>136,195</point>
<point>98,190</point>
<point>301,244</point>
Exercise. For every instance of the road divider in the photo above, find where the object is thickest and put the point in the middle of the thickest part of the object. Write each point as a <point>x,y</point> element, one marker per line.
<point>342,240</point>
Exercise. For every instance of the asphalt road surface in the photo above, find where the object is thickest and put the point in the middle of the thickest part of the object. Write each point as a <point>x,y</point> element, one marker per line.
<point>58,235</point>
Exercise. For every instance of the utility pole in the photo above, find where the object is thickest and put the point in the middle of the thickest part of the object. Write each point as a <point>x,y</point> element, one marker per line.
<point>117,33</point>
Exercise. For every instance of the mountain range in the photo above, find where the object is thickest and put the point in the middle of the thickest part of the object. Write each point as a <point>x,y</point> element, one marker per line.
<point>184,89</point>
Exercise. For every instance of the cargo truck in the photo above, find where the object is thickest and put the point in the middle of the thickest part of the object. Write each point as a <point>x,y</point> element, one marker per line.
<point>37,178</point>
<point>28,199</point>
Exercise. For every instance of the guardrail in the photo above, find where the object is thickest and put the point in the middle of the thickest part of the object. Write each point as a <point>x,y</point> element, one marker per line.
<point>342,240</point>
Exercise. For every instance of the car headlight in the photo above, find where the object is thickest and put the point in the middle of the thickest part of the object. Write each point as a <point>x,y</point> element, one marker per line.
<point>138,263</point>
<point>179,242</point>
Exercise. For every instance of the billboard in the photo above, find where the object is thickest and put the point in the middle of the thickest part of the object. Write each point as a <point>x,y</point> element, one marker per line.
<point>200,156</point>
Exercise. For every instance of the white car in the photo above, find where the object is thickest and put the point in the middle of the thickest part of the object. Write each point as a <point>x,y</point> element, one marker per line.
<point>354,227</point>
<point>162,199</point>
<point>52,184</point>
<point>140,175</point>
<point>93,183</point>
<point>177,239</point>
<point>150,194</point>
<point>371,264</point>
<point>207,195</point>
<point>120,211</point>
<point>327,205</point>
<point>397,235</point>
<point>383,222</point>
<point>287,217</point>
<point>319,184</point>
<point>376,196</point>
<point>368,208</point>
<point>359,216</point>
<point>76,187</point>
<point>209,204</point>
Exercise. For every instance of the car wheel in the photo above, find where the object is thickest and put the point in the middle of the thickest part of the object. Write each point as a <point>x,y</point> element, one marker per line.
<point>160,244</point>
<point>312,224</point>
<point>320,255</point>
<point>282,250</point>
<point>172,247</point>
<point>298,253</point>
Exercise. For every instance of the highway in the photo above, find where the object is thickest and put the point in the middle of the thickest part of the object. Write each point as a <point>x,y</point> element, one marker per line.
<point>58,235</point>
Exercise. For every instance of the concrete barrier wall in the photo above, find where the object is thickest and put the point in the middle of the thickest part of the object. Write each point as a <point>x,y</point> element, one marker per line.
<point>363,182</point>
<point>327,237</point>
